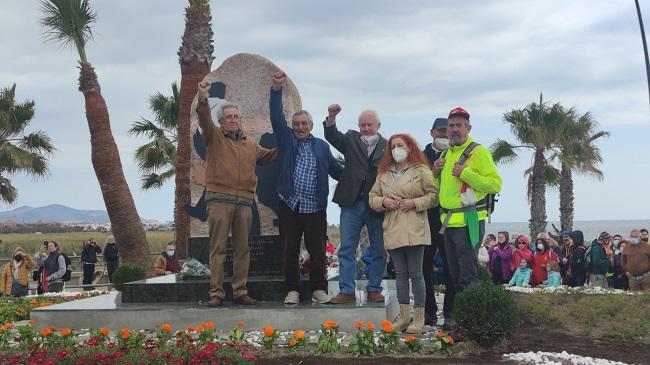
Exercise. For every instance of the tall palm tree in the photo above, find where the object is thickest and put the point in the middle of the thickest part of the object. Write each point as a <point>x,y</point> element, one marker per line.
<point>160,153</point>
<point>19,152</point>
<point>576,152</point>
<point>195,58</point>
<point>535,128</point>
<point>70,22</point>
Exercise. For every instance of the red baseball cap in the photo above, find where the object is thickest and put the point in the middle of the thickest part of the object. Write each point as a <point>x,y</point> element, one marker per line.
<point>459,111</point>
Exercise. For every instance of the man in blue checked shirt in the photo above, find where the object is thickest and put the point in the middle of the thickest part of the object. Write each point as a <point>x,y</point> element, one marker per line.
<point>305,163</point>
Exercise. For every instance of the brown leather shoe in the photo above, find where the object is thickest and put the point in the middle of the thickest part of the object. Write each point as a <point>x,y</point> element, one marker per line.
<point>244,299</point>
<point>341,298</point>
<point>375,297</point>
<point>215,302</point>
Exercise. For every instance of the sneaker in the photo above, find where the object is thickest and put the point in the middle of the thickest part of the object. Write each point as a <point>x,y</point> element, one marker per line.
<point>319,296</point>
<point>292,297</point>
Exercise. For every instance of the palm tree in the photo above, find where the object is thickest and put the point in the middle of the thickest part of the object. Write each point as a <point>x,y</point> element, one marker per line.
<point>195,58</point>
<point>160,153</point>
<point>535,128</point>
<point>70,22</point>
<point>576,152</point>
<point>19,152</point>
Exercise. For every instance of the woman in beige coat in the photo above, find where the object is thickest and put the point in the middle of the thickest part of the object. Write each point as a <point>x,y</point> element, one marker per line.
<point>404,190</point>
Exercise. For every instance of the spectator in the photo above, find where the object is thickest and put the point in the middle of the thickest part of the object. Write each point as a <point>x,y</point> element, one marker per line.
<point>644,235</point>
<point>14,274</point>
<point>167,263</point>
<point>577,271</point>
<point>521,278</point>
<point>500,259</point>
<point>543,257</point>
<point>483,254</point>
<point>554,278</point>
<point>88,260</point>
<point>53,269</point>
<point>636,262</point>
<point>40,257</point>
<point>619,279</point>
<point>111,256</point>
<point>565,253</point>
<point>599,262</point>
<point>522,251</point>
<point>616,242</point>
<point>404,190</point>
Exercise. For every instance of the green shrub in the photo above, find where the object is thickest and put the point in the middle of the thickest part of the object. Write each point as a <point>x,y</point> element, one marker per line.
<point>126,273</point>
<point>484,275</point>
<point>486,314</point>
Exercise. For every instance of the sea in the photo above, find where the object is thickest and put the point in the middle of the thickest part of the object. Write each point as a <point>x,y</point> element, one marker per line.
<point>591,229</point>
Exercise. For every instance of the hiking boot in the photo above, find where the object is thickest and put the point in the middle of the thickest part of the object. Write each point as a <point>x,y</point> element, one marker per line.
<point>215,302</point>
<point>341,298</point>
<point>375,297</point>
<point>403,320</point>
<point>292,297</point>
<point>417,326</point>
<point>449,324</point>
<point>244,299</point>
<point>319,296</point>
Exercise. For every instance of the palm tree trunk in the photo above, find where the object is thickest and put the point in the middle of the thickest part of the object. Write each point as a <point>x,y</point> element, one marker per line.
<point>537,196</point>
<point>125,221</point>
<point>191,75</point>
<point>566,198</point>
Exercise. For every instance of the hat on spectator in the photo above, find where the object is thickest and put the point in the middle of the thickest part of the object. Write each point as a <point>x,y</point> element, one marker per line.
<point>604,236</point>
<point>459,112</point>
<point>439,123</point>
<point>565,233</point>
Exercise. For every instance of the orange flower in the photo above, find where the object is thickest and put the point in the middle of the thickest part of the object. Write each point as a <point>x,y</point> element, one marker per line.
<point>45,332</point>
<point>410,339</point>
<point>209,325</point>
<point>33,301</point>
<point>52,328</point>
<point>268,331</point>
<point>166,327</point>
<point>20,310</point>
<point>241,324</point>
<point>330,324</point>
<point>2,329</point>
<point>386,326</point>
<point>65,331</point>
<point>299,334</point>
<point>199,328</point>
<point>371,326</point>
<point>440,334</point>
<point>189,328</point>
<point>358,324</point>
<point>450,340</point>
<point>32,323</point>
<point>126,334</point>
<point>104,331</point>
<point>293,342</point>
<point>9,325</point>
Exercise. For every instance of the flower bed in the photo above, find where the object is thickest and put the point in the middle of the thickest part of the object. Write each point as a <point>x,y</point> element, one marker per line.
<point>589,290</point>
<point>17,309</point>
<point>555,358</point>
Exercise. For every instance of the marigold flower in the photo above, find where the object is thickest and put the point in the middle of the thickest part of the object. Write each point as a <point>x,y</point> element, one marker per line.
<point>65,331</point>
<point>200,328</point>
<point>450,340</point>
<point>410,339</point>
<point>371,326</point>
<point>209,325</point>
<point>268,331</point>
<point>9,325</point>
<point>387,326</point>
<point>330,324</point>
<point>33,301</point>
<point>20,310</point>
<point>126,334</point>
<point>299,334</point>
<point>2,329</point>
<point>53,328</point>
<point>358,324</point>
<point>166,327</point>
<point>293,342</point>
<point>45,332</point>
<point>32,322</point>
<point>241,324</point>
<point>189,328</point>
<point>440,334</point>
<point>104,331</point>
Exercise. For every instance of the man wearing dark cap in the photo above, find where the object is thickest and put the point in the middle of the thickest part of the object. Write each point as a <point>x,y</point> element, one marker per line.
<point>599,262</point>
<point>466,175</point>
<point>433,151</point>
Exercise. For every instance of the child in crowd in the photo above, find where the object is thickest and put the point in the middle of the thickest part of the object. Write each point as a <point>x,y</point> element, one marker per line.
<point>554,278</point>
<point>521,278</point>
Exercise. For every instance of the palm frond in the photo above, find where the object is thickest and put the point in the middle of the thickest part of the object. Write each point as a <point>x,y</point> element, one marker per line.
<point>68,22</point>
<point>155,155</point>
<point>37,142</point>
<point>155,181</point>
<point>503,152</point>
<point>145,127</point>
<point>8,192</point>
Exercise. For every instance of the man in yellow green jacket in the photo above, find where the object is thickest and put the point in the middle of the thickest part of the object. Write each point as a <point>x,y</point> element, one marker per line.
<point>464,188</point>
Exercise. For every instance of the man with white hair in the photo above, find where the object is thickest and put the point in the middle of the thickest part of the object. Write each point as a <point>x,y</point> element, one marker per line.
<point>231,157</point>
<point>363,151</point>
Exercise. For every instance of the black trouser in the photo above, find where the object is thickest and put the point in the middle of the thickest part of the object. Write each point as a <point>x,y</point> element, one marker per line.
<point>89,272</point>
<point>462,257</point>
<point>431,307</point>
<point>292,227</point>
<point>111,265</point>
<point>18,290</point>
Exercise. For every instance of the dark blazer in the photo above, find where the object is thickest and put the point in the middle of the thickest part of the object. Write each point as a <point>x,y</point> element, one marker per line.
<point>359,172</point>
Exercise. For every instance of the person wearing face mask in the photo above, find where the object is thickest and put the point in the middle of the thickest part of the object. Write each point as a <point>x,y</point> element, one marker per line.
<point>363,151</point>
<point>14,274</point>
<point>635,261</point>
<point>167,262</point>
<point>542,258</point>
<point>577,268</point>
<point>305,164</point>
<point>433,151</point>
<point>619,279</point>
<point>522,251</point>
<point>404,191</point>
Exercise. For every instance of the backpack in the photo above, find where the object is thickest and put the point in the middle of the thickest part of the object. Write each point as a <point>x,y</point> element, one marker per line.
<point>490,200</point>
<point>68,267</point>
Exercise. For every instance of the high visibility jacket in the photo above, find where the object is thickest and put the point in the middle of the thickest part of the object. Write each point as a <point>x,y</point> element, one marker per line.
<point>481,175</point>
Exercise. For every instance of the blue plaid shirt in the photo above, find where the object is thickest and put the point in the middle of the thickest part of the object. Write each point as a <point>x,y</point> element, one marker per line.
<point>303,196</point>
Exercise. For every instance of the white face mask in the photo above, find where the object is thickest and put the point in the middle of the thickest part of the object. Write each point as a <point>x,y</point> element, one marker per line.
<point>440,143</point>
<point>540,247</point>
<point>370,140</point>
<point>170,253</point>
<point>634,240</point>
<point>399,154</point>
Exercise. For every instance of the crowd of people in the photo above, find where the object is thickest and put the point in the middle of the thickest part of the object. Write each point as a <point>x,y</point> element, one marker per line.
<point>609,261</point>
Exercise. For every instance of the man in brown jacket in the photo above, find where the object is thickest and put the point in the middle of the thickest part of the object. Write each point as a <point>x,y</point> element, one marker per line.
<point>231,158</point>
<point>635,262</point>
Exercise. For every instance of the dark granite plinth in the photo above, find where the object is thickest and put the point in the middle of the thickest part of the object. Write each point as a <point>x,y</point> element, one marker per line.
<point>171,289</point>
<point>265,251</point>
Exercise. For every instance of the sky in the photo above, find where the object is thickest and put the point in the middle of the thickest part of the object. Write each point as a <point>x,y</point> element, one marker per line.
<point>412,61</point>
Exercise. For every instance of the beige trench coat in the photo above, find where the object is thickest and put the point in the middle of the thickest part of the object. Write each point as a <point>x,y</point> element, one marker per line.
<point>408,228</point>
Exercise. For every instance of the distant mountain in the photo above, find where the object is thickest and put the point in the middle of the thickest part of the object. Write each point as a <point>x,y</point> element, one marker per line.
<point>54,213</point>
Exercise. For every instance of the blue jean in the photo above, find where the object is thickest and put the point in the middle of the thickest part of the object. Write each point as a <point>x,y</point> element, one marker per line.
<point>353,218</point>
